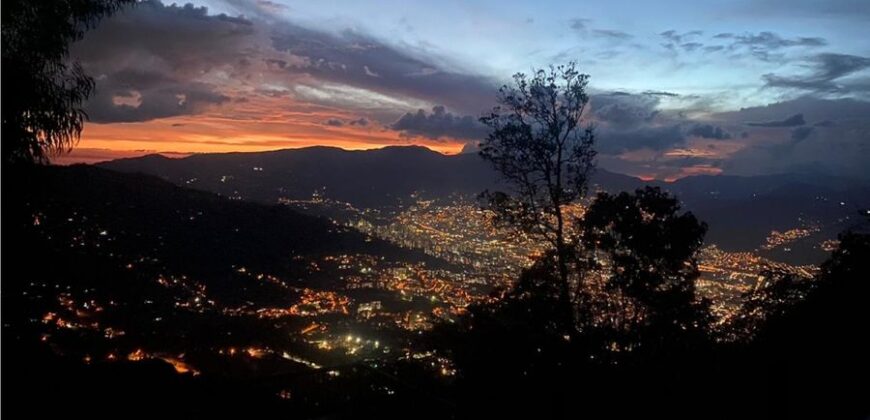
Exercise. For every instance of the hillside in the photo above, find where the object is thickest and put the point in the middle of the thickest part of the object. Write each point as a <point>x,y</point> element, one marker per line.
<point>741,211</point>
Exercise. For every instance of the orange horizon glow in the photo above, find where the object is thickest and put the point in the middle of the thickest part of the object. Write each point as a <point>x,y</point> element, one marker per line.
<point>257,123</point>
<point>268,124</point>
<point>184,136</point>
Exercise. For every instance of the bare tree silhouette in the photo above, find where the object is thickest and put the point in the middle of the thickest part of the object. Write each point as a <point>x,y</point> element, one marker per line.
<point>539,144</point>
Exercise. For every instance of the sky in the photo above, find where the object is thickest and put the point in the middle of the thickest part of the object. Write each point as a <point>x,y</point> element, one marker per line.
<point>678,88</point>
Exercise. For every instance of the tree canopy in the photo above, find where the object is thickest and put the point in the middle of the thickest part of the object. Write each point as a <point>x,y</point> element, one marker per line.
<point>43,87</point>
<point>542,148</point>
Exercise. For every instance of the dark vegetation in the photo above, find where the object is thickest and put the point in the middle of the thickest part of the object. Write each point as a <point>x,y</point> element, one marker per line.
<point>797,351</point>
<point>43,90</point>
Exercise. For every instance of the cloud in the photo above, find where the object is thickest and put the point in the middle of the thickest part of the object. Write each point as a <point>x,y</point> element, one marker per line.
<point>440,124</point>
<point>612,34</point>
<point>801,133</point>
<point>337,122</point>
<point>625,110</point>
<point>708,131</point>
<point>686,41</point>
<point>166,52</point>
<point>837,142</point>
<point>827,70</point>
<point>148,61</point>
<point>584,29</point>
<point>794,120</point>
<point>354,59</point>
<point>616,141</point>
<point>579,24</point>
<point>661,93</point>
<point>771,41</point>
<point>764,46</point>
<point>812,108</point>
<point>677,37</point>
<point>471,147</point>
<point>155,61</point>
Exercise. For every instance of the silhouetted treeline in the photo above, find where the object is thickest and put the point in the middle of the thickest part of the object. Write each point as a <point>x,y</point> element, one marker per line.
<point>797,350</point>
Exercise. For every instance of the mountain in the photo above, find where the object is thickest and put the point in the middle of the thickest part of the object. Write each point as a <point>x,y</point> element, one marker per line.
<point>368,178</point>
<point>140,217</point>
<point>741,211</point>
<point>157,296</point>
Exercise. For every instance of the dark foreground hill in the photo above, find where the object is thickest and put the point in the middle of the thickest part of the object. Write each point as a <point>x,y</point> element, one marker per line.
<point>120,289</point>
<point>144,217</point>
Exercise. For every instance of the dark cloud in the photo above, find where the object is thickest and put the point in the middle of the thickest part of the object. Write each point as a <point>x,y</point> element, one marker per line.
<point>162,52</point>
<point>827,69</point>
<point>337,122</point>
<point>471,147</point>
<point>583,28</point>
<point>351,58</point>
<point>440,124</point>
<point>145,60</point>
<point>766,46</point>
<point>616,141</point>
<point>838,141</point>
<point>794,120</point>
<point>708,131</point>
<point>801,133</point>
<point>684,41</point>
<point>625,110</point>
<point>167,101</point>
<point>612,34</point>
<point>271,5</point>
<point>771,41</point>
<point>579,24</point>
<point>679,38</point>
<point>812,108</point>
<point>661,93</point>
<point>691,46</point>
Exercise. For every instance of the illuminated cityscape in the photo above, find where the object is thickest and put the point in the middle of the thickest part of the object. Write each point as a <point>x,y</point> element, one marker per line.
<point>435,210</point>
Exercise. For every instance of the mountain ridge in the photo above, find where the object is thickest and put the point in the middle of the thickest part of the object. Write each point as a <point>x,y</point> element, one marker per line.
<point>741,210</point>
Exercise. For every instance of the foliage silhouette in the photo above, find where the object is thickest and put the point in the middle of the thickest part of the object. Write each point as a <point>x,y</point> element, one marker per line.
<point>544,152</point>
<point>43,89</point>
<point>803,355</point>
<point>647,251</point>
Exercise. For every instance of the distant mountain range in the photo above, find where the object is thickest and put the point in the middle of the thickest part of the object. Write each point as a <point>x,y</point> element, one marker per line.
<point>140,217</point>
<point>741,211</point>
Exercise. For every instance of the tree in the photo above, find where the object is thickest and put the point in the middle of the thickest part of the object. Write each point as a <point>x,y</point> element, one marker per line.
<point>649,252</point>
<point>43,90</point>
<point>773,299</point>
<point>544,152</point>
<point>807,332</point>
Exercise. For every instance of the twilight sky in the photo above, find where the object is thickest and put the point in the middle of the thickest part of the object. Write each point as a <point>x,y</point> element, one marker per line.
<point>679,87</point>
